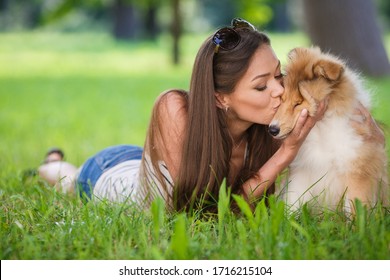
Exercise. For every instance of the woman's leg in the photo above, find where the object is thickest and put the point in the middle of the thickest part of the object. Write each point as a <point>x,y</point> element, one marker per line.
<point>95,166</point>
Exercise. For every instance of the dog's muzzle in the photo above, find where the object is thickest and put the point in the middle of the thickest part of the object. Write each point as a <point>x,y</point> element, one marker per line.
<point>273,129</point>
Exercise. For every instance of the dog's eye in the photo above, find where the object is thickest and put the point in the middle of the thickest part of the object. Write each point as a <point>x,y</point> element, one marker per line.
<point>297,103</point>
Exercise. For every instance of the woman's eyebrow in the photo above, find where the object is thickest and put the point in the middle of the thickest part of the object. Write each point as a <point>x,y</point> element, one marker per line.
<point>277,66</point>
<point>266,74</point>
<point>260,76</point>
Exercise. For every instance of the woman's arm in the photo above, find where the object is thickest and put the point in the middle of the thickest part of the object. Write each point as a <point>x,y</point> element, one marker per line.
<point>172,119</point>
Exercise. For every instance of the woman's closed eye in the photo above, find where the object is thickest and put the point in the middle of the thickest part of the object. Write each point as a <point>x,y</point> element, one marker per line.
<point>280,76</point>
<point>261,88</point>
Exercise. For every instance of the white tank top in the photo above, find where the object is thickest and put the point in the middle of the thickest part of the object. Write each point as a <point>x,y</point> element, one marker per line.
<point>128,182</point>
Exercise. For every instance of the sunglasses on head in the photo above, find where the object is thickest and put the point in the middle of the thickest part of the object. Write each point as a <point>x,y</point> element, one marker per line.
<point>227,38</point>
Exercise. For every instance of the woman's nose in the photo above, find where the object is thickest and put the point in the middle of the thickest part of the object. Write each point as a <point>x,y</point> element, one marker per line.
<point>278,89</point>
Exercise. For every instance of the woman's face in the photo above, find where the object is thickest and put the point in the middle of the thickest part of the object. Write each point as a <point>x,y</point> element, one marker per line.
<point>257,95</point>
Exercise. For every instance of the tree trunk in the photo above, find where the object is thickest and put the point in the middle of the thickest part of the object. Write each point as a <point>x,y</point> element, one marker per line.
<point>3,5</point>
<point>151,21</point>
<point>125,24</point>
<point>348,29</point>
<point>176,30</point>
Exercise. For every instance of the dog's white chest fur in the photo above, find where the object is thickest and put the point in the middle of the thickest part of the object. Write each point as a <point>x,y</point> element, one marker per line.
<point>317,172</point>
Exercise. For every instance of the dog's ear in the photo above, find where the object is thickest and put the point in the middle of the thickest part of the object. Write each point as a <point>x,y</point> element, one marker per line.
<point>328,69</point>
<point>304,89</point>
<point>294,52</point>
<point>303,52</point>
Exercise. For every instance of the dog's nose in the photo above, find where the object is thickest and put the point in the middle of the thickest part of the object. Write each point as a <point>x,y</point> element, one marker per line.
<point>273,130</point>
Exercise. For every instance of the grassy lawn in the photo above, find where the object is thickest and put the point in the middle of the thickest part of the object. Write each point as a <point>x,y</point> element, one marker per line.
<point>84,92</point>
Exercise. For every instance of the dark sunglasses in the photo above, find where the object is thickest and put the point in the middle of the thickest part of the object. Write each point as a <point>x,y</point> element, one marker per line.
<point>227,38</point>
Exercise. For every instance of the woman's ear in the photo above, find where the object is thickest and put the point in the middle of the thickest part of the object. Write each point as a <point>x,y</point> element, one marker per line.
<point>221,100</point>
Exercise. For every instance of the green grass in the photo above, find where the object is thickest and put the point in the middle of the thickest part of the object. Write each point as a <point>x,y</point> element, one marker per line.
<point>84,92</point>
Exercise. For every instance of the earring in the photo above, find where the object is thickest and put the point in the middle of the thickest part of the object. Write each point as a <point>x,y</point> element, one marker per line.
<point>226,109</point>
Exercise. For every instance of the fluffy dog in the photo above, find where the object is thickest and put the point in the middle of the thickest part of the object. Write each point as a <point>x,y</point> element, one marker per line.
<point>338,162</point>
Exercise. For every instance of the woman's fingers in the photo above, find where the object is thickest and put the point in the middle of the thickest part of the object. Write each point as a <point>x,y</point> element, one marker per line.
<point>303,117</point>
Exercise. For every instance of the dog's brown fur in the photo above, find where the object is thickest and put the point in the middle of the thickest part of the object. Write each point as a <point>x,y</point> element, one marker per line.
<point>353,164</point>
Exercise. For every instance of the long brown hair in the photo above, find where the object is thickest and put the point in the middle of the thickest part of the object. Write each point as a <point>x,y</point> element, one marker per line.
<point>207,146</point>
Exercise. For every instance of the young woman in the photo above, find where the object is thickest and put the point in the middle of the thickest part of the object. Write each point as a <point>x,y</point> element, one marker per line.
<point>196,139</point>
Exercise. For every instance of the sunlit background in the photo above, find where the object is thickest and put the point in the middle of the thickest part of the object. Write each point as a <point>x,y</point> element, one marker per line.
<point>83,75</point>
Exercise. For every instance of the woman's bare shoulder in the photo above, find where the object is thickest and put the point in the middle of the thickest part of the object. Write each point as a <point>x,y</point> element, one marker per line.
<point>169,125</point>
<point>172,105</point>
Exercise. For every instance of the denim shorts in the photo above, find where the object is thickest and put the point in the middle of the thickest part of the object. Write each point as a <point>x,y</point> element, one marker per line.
<point>95,166</point>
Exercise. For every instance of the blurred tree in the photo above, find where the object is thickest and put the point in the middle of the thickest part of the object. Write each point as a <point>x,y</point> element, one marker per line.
<point>384,8</point>
<point>3,5</point>
<point>176,30</point>
<point>384,14</point>
<point>20,14</point>
<point>219,13</point>
<point>124,21</point>
<point>280,21</point>
<point>57,11</point>
<point>347,28</point>
<point>151,24</point>
<point>130,18</point>
<point>258,12</point>
<point>134,17</point>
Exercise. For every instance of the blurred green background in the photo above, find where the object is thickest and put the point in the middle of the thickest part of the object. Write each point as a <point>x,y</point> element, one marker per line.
<point>83,75</point>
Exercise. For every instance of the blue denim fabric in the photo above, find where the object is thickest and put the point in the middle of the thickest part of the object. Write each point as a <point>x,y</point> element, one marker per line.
<point>95,166</point>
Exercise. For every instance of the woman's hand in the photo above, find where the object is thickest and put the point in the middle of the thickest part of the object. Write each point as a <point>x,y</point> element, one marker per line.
<point>267,174</point>
<point>365,125</point>
<point>302,128</point>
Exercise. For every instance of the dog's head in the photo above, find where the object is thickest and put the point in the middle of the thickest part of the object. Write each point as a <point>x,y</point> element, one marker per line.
<point>310,77</point>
